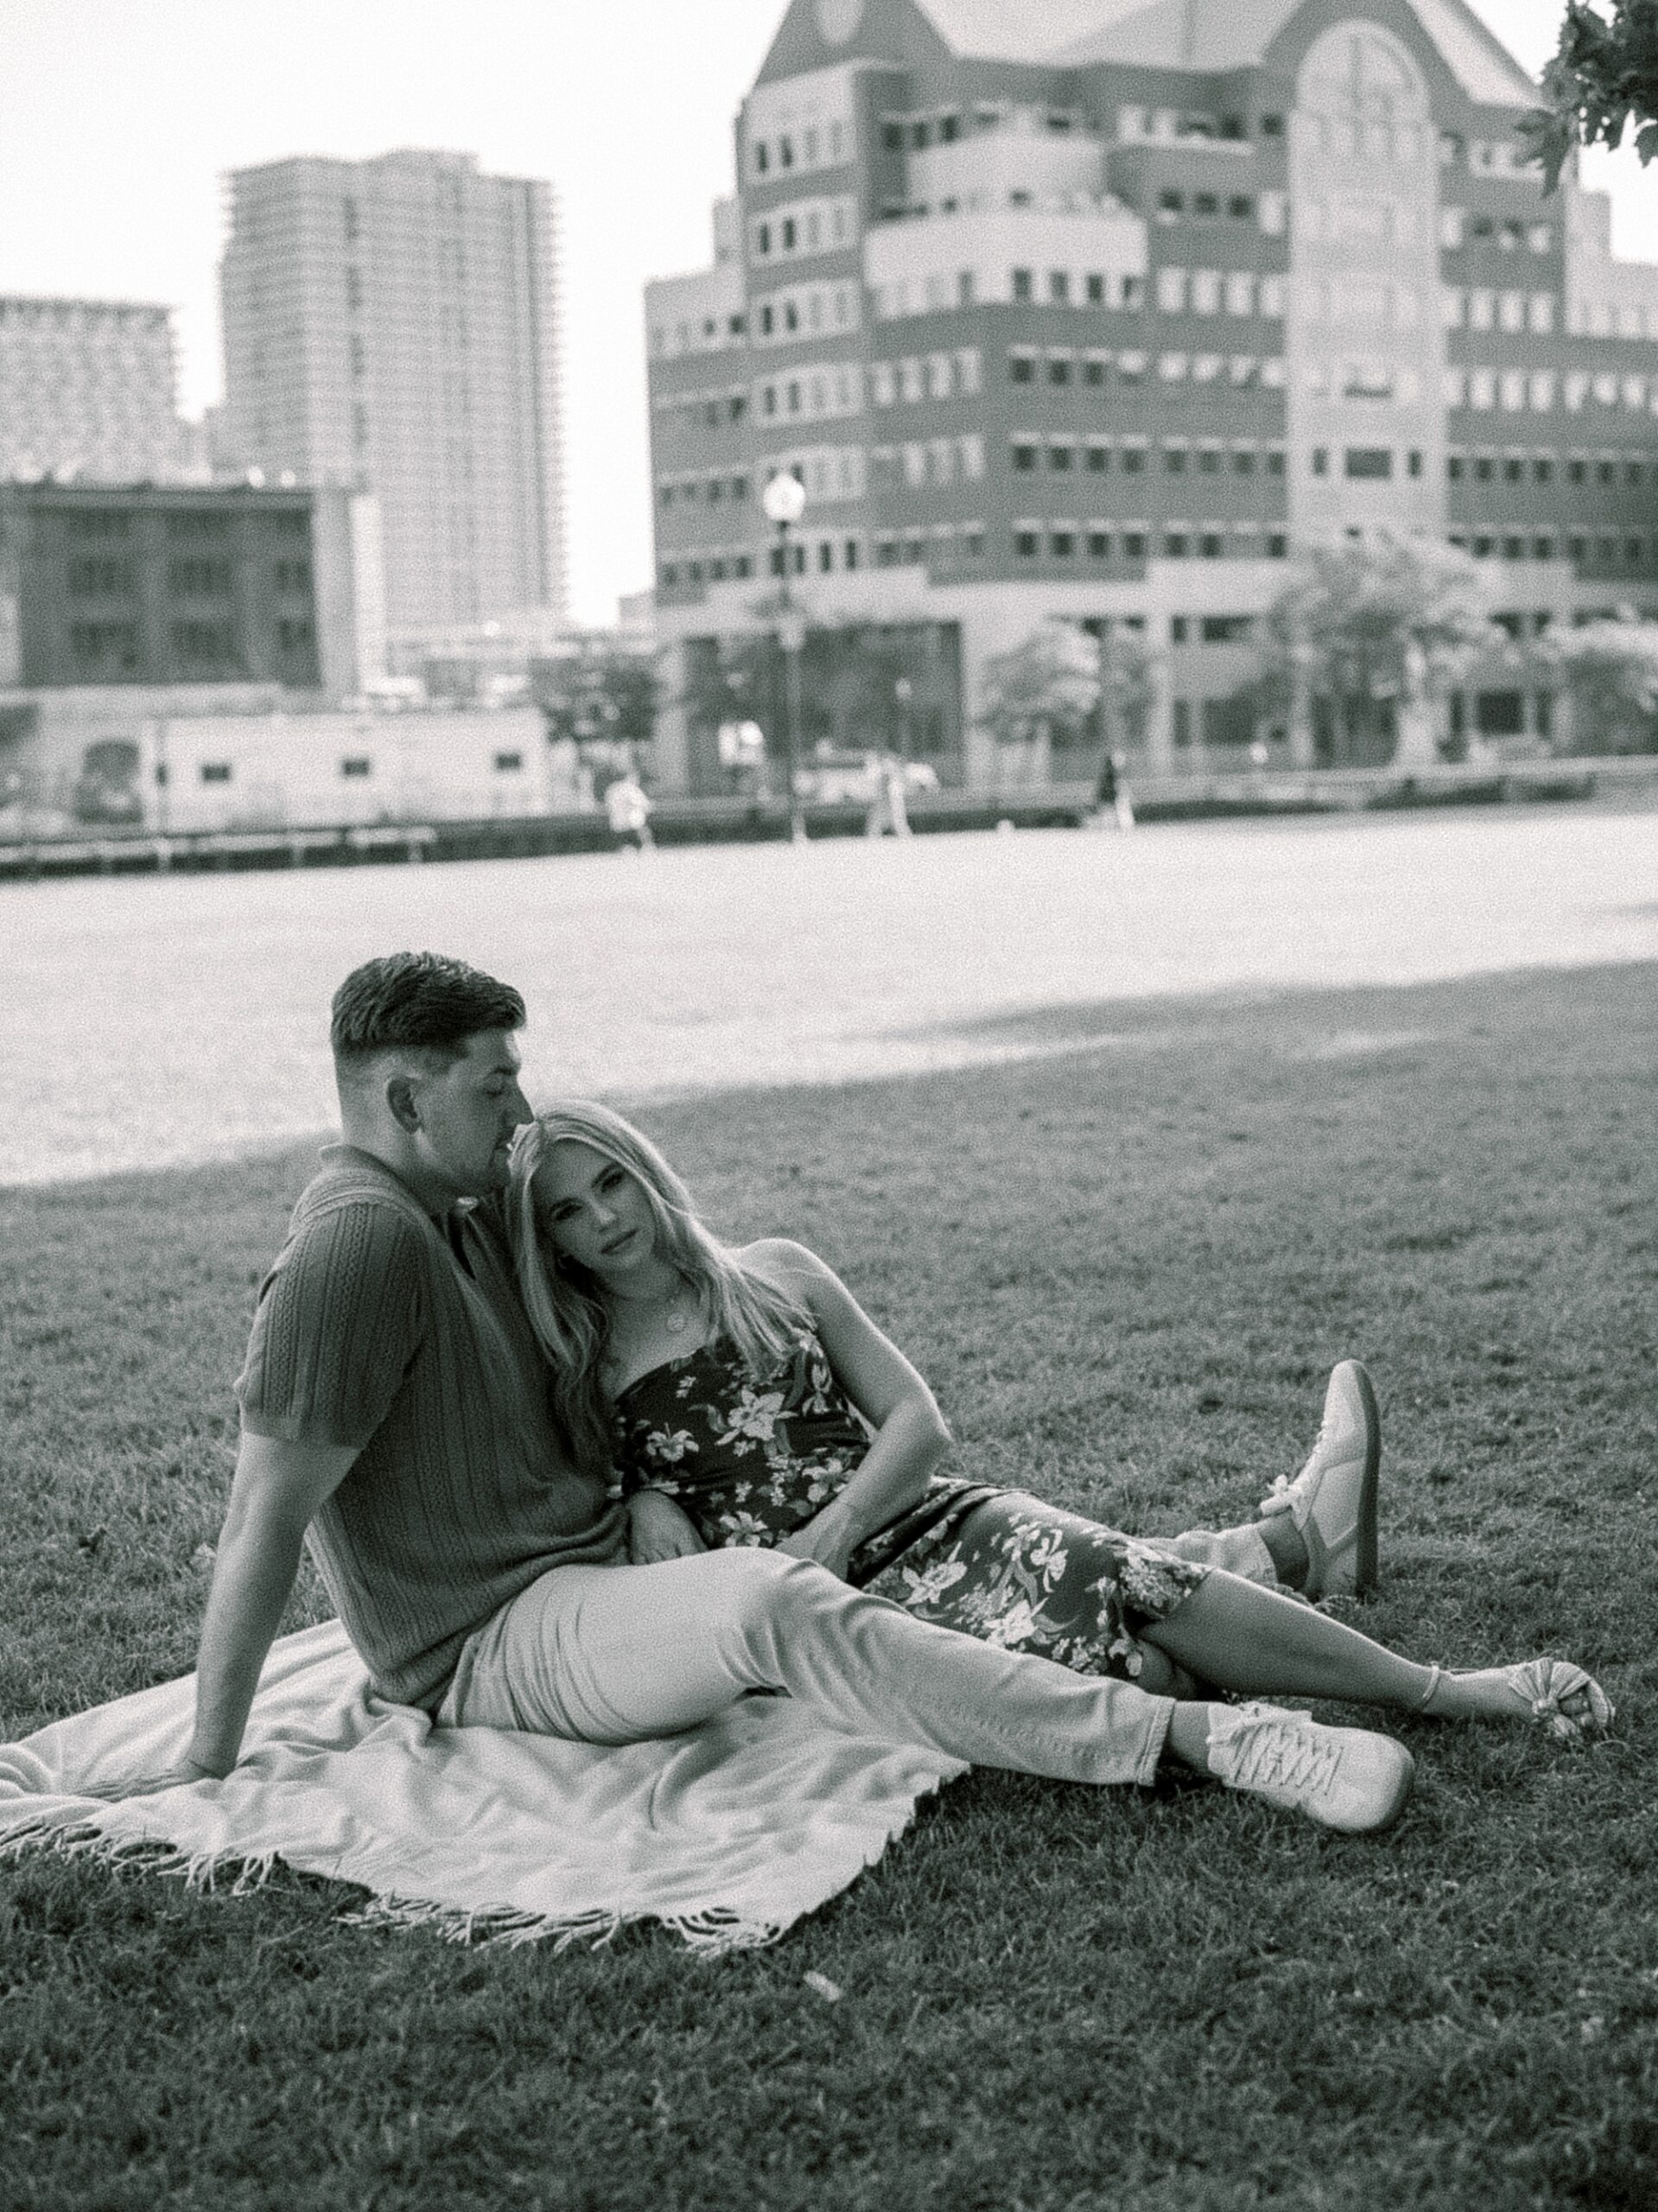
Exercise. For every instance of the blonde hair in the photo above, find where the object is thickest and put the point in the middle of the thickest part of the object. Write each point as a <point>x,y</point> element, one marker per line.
<point>566,1307</point>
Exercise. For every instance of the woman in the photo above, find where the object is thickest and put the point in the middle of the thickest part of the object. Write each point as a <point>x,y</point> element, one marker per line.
<point>745,1398</point>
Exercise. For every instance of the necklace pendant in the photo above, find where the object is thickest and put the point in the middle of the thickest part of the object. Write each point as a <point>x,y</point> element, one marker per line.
<point>674,1322</point>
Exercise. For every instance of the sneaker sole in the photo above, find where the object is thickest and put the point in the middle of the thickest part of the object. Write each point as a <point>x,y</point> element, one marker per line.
<point>1367,1566</point>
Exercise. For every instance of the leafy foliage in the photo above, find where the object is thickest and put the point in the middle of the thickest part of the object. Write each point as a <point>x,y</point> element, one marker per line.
<point>597,695</point>
<point>1368,623</point>
<point>1603,76</point>
<point>1048,686</point>
<point>1610,670</point>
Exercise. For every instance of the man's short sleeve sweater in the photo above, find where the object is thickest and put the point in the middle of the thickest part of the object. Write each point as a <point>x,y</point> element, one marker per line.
<point>373,1331</point>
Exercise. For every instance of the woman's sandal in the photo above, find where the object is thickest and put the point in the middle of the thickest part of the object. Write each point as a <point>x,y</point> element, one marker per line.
<point>1559,1698</point>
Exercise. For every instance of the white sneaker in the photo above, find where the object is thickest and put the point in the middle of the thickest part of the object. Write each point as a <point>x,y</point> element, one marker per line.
<point>1333,1501</point>
<point>1347,1778</point>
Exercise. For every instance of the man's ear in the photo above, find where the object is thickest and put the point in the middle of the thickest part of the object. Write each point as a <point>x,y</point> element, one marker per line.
<point>400,1097</point>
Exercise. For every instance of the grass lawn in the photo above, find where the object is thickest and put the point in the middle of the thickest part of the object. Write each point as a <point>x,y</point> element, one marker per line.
<point>1125,1267</point>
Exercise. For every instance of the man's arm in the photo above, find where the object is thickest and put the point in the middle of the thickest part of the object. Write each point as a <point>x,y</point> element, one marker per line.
<point>277,1489</point>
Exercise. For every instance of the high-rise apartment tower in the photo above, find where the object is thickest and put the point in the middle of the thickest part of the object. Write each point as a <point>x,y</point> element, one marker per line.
<point>393,323</point>
<point>1099,310</point>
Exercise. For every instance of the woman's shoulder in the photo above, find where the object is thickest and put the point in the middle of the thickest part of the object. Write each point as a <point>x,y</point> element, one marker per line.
<point>785,1264</point>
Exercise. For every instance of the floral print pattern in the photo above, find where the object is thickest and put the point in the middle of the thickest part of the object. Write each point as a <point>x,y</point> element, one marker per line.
<point>752,1458</point>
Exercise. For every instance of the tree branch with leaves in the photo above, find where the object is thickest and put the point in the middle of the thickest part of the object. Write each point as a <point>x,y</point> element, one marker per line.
<point>1603,77</point>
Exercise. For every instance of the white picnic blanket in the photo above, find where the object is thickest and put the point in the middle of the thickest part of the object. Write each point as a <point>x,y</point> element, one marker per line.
<point>728,1833</point>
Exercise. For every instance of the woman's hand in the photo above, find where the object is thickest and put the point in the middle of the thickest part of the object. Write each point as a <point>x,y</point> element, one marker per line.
<point>826,1537</point>
<point>659,1529</point>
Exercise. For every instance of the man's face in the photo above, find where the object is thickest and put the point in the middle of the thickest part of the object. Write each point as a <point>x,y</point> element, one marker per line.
<point>468,1111</point>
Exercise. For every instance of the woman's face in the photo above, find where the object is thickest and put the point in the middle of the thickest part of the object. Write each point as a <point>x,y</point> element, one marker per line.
<point>595,1213</point>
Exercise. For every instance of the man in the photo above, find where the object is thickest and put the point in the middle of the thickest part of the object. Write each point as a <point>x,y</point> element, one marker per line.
<point>395,1414</point>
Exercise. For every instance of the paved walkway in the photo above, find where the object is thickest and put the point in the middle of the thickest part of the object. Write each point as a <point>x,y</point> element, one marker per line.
<point>145,1022</point>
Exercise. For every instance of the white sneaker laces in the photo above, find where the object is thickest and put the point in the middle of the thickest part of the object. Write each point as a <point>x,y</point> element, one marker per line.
<point>1279,1754</point>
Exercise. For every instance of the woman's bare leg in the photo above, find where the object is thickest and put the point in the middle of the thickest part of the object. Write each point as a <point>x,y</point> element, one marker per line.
<point>1239,1637</point>
<point>1235,1636</point>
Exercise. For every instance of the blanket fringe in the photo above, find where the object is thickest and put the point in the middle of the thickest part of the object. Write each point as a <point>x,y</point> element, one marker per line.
<point>711,1934</point>
<point>200,1870</point>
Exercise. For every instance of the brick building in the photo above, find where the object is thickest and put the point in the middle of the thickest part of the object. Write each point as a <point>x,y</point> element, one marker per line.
<point>1099,311</point>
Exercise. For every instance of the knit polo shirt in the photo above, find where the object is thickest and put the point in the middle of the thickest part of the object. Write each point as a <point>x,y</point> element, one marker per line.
<point>374,1330</point>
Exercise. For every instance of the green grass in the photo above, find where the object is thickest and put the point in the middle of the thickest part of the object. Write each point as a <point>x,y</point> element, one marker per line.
<point>1126,1269</point>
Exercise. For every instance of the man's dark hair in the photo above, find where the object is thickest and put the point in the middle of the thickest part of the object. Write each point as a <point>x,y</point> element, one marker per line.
<point>417,1001</point>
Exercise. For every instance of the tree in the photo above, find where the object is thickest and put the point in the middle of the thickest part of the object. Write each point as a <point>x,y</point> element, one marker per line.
<point>1603,76</point>
<point>1373,630</point>
<point>1610,674</point>
<point>1046,691</point>
<point>597,695</point>
<point>1127,687</point>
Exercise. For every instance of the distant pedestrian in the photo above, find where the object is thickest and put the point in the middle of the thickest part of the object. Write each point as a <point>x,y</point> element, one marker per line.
<point>889,814</point>
<point>628,806</point>
<point>1111,794</point>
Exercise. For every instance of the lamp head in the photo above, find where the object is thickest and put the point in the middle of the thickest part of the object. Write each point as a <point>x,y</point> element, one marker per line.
<point>784,498</point>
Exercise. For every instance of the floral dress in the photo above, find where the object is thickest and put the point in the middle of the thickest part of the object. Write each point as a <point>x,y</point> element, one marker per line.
<point>752,1458</point>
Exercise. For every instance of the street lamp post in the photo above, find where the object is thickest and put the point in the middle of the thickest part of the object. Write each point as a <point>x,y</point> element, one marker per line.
<point>784,502</point>
<point>903,692</point>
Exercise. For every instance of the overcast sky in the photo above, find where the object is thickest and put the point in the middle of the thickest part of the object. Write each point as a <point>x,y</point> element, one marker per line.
<point>117,118</point>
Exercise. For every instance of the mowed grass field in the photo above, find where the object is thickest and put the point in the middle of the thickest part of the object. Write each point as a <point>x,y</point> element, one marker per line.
<point>1127,1267</point>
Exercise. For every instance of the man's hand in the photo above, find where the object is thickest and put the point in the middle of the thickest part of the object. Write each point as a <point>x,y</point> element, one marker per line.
<point>659,1529</point>
<point>151,1785</point>
<point>827,1538</point>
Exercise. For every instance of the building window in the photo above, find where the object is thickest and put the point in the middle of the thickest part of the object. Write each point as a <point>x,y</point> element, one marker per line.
<point>1133,460</point>
<point>1059,288</point>
<point>508,764</point>
<point>1099,545</point>
<point>1369,463</point>
<point>357,764</point>
<point>204,644</point>
<point>1094,370</point>
<point>1278,545</point>
<point>1320,460</point>
<point>1024,455</point>
<point>215,771</point>
<point>198,579</point>
<point>1174,461</point>
<point>1174,545</point>
<point>1027,543</point>
<point>1099,459</point>
<point>1062,543</point>
<point>1059,456</point>
<point>1024,284</point>
<point>1134,544</point>
<point>1058,369</point>
<point>1021,368</point>
<point>292,636</point>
